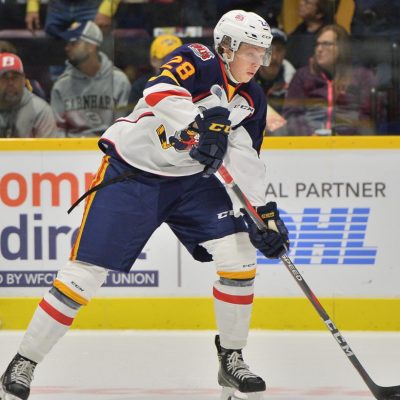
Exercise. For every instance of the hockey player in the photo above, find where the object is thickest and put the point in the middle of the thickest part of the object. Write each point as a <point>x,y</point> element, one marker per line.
<point>204,108</point>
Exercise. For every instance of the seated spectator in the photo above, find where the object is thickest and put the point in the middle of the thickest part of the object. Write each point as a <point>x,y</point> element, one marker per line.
<point>62,13</point>
<point>330,94</point>
<point>86,98</point>
<point>160,47</point>
<point>22,114</point>
<point>275,78</point>
<point>315,14</point>
<point>32,84</point>
<point>11,15</point>
<point>375,31</point>
<point>268,9</point>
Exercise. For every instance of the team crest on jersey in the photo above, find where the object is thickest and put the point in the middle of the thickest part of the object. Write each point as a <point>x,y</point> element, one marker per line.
<point>201,51</point>
<point>183,140</point>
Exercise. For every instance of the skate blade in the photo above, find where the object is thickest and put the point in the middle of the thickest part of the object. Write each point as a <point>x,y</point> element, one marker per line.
<point>234,394</point>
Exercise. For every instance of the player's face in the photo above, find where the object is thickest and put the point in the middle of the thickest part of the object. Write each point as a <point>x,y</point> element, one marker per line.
<point>77,52</point>
<point>326,50</point>
<point>246,62</point>
<point>11,87</point>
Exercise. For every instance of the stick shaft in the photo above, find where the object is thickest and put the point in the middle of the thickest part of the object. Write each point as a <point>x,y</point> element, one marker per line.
<point>223,172</point>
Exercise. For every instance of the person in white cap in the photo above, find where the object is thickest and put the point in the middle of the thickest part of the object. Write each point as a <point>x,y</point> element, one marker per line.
<point>22,113</point>
<point>87,97</point>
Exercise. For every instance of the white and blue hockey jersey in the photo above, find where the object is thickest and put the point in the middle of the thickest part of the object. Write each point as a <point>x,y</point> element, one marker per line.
<point>155,138</point>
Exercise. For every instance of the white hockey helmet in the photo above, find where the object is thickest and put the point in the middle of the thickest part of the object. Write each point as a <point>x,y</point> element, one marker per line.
<point>243,27</point>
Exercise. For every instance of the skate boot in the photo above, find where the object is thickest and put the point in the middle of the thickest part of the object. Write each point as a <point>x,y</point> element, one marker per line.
<point>16,381</point>
<point>235,377</point>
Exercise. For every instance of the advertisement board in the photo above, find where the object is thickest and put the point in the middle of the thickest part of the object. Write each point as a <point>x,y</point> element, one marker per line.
<point>339,199</point>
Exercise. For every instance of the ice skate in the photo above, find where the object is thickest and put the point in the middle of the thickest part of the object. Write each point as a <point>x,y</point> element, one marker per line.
<point>237,382</point>
<point>16,381</point>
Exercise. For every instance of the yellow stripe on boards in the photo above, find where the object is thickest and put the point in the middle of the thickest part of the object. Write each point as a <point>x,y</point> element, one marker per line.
<point>82,144</point>
<point>332,143</point>
<point>269,143</point>
<point>198,313</point>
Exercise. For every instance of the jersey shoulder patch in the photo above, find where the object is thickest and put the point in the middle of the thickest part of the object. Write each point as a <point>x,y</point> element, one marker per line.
<point>201,51</point>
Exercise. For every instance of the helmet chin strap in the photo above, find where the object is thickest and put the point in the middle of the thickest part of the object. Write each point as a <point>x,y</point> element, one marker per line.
<point>226,61</point>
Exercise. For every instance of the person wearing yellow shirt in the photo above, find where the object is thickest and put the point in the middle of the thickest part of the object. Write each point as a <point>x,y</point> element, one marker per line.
<point>62,13</point>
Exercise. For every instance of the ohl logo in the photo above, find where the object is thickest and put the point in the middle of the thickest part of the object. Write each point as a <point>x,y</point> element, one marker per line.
<point>328,238</point>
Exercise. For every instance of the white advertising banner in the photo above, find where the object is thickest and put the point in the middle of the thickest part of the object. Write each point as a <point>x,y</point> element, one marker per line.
<point>340,205</point>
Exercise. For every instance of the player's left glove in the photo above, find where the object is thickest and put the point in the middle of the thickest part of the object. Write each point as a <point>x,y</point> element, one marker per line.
<point>274,241</point>
<point>214,126</point>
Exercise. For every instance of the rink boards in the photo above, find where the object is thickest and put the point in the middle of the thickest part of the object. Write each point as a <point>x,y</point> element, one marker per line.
<point>339,197</point>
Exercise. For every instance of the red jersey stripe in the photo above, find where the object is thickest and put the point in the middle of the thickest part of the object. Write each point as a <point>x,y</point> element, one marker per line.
<point>247,97</point>
<point>146,114</point>
<point>233,299</point>
<point>153,99</point>
<point>55,314</point>
<point>201,96</point>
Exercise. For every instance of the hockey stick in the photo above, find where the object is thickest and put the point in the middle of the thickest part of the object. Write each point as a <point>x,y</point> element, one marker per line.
<point>380,392</point>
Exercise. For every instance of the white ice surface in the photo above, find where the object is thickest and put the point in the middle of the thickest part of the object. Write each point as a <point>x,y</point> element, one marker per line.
<point>174,365</point>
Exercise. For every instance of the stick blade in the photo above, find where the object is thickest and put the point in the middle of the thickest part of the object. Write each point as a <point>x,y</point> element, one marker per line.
<point>387,393</point>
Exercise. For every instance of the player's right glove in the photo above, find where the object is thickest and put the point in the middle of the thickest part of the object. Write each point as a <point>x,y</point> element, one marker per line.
<point>214,126</point>
<point>274,241</point>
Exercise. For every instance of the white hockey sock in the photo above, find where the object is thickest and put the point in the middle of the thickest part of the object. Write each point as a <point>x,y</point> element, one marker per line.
<point>233,306</point>
<point>51,320</point>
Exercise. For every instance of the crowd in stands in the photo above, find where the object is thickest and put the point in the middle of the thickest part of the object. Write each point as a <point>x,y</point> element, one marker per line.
<point>69,68</point>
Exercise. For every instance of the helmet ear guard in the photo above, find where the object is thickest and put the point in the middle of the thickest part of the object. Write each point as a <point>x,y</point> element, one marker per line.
<point>225,45</point>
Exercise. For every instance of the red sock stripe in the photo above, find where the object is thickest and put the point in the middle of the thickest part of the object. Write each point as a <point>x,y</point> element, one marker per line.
<point>59,317</point>
<point>233,299</point>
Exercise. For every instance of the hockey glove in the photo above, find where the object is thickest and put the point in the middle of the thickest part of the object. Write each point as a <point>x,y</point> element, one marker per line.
<point>274,241</point>
<point>214,127</point>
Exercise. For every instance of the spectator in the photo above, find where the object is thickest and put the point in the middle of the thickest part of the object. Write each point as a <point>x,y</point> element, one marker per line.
<point>62,13</point>
<point>87,96</point>
<point>315,14</point>
<point>375,32</point>
<point>198,12</point>
<point>32,84</point>
<point>275,78</point>
<point>268,9</point>
<point>376,44</point>
<point>11,15</point>
<point>159,49</point>
<point>22,114</point>
<point>330,93</point>
<point>373,18</point>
